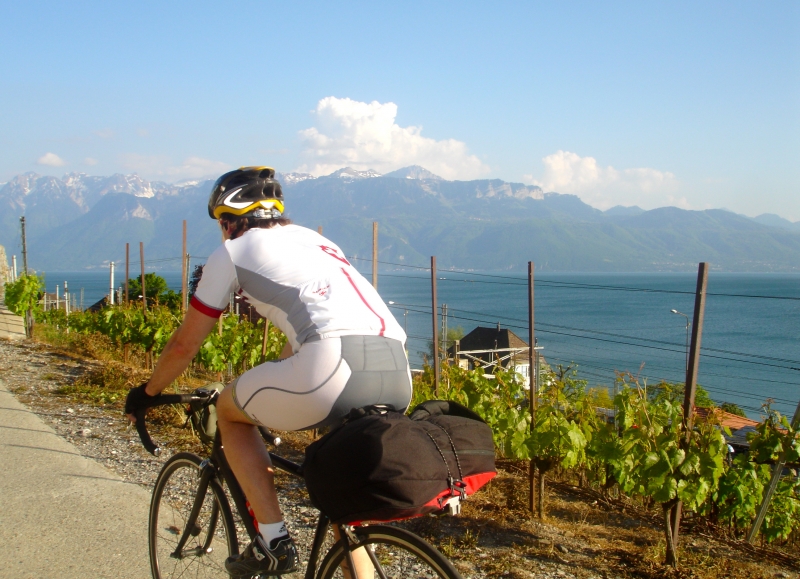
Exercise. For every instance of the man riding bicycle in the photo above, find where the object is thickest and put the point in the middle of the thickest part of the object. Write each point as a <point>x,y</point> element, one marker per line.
<point>345,349</point>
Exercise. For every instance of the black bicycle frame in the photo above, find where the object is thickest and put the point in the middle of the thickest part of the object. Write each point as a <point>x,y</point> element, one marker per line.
<point>224,472</point>
<point>217,467</point>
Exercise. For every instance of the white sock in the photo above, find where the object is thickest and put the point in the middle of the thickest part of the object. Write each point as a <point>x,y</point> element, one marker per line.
<point>270,531</point>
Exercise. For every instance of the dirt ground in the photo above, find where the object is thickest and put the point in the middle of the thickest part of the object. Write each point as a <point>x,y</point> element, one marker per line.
<point>79,389</point>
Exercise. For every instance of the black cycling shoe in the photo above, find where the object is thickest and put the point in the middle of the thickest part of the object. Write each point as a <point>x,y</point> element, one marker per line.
<point>259,559</point>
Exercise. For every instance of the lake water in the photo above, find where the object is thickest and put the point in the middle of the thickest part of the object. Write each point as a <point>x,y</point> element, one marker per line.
<point>605,323</point>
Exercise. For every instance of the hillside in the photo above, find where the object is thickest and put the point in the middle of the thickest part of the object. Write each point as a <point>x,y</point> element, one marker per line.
<point>81,221</point>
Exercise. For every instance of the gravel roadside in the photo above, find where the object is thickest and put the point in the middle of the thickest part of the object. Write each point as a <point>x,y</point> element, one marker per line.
<point>479,546</point>
<point>34,373</point>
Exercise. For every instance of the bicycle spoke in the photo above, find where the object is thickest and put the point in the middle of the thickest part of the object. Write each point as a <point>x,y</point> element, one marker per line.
<point>370,549</point>
<point>210,539</point>
<point>394,554</point>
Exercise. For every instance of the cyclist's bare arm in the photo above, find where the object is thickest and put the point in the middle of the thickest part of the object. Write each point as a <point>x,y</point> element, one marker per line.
<point>181,348</point>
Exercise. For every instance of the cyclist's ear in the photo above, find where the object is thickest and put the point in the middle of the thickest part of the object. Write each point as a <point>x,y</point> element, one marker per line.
<point>224,227</point>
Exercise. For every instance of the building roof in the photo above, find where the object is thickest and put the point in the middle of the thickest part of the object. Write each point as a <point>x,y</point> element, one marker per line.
<point>482,338</point>
<point>488,339</point>
<point>732,421</point>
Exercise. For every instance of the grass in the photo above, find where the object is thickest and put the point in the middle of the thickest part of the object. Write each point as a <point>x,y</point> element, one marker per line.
<point>496,535</point>
<point>84,344</point>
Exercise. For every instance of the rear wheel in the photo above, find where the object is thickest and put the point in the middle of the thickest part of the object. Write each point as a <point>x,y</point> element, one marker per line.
<point>395,554</point>
<point>213,536</point>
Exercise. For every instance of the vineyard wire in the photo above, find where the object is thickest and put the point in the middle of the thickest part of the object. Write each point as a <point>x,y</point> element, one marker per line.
<point>424,310</point>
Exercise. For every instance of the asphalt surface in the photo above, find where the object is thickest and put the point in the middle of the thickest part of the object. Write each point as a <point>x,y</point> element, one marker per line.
<point>63,515</point>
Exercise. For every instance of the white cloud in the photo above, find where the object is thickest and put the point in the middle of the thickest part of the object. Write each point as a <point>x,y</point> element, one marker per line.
<point>604,187</point>
<point>90,161</point>
<point>162,167</point>
<point>104,133</point>
<point>365,136</point>
<point>51,160</point>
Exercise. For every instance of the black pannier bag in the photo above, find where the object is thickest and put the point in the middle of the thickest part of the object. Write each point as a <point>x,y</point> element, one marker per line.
<point>381,465</point>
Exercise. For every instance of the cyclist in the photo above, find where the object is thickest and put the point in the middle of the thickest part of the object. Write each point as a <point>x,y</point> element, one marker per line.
<point>344,348</point>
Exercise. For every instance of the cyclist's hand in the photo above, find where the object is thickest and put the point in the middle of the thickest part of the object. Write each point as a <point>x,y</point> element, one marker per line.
<point>138,399</point>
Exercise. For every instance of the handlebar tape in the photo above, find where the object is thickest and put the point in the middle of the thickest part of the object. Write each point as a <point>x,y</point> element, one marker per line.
<point>269,437</point>
<point>141,426</point>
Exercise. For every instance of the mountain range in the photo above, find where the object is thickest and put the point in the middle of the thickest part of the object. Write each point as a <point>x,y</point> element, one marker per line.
<point>82,221</point>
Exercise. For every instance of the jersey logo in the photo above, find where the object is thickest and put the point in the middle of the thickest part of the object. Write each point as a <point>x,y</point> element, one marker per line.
<point>333,253</point>
<point>235,204</point>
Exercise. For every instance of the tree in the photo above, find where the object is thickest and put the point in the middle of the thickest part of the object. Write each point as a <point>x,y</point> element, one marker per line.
<point>158,292</point>
<point>600,398</point>
<point>732,408</point>
<point>22,298</point>
<point>675,393</point>
<point>197,273</point>
<point>453,334</point>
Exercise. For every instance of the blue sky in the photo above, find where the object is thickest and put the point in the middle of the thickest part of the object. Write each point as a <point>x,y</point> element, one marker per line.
<point>693,104</point>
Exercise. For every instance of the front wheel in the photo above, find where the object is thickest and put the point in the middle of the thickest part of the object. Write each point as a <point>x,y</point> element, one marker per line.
<point>212,537</point>
<point>395,554</point>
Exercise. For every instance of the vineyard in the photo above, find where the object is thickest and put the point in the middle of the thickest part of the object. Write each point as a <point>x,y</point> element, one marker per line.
<point>238,344</point>
<point>640,453</point>
<point>636,448</point>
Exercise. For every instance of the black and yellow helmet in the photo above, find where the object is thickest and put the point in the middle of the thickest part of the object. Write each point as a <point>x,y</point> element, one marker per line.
<point>247,190</point>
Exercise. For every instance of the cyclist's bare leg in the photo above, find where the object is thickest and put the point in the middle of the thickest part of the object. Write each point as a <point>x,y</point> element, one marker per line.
<point>361,560</point>
<point>249,459</point>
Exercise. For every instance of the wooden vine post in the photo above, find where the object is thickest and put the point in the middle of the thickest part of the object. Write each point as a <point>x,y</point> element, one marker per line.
<point>532,385</point>
<point>434,315</point>
<point>184,270</point>
<point>673,514</point>
<point>144,292</point>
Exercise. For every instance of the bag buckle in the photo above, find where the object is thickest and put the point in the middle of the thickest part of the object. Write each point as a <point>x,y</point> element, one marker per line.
<point>452,506</point>
<point>457,487</point>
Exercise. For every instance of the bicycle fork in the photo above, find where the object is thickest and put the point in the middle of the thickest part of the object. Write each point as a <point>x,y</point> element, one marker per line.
<point>352,565</point>
<point>192,529</point>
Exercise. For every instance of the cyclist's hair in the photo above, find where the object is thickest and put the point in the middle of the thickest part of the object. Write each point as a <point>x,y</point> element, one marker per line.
<point>242,223</point>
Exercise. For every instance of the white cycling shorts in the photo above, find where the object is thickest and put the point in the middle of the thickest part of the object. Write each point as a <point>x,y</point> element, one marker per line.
<point>323,381</point>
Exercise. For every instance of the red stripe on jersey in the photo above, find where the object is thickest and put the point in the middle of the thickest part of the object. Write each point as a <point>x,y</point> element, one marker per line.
<point>352,283</point>
<point>204,309</point>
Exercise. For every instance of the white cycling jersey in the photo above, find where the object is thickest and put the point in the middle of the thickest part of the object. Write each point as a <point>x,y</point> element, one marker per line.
<point>300,281</point>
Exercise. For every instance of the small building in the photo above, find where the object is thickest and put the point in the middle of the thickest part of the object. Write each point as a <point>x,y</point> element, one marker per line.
<point>739,426</point>
<point>733,421</point>
<point>489,347</point>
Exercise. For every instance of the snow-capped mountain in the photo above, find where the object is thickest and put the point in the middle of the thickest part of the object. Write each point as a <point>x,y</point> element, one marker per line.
<point>293,178</point>
<point>84,221</point>
<point>349,174</point>
<point>30,189</point>
<point>413,172</point>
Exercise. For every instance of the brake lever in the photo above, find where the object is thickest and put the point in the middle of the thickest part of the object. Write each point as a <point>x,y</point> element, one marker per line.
<point>144,436</point>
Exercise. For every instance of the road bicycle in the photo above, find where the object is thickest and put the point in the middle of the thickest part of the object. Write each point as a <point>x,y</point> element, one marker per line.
<point>192,529</point>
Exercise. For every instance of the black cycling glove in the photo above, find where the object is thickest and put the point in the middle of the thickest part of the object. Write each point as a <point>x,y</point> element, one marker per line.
<point>138,399</point>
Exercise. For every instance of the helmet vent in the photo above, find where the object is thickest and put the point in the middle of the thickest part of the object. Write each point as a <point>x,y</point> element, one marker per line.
<point>265,174</point>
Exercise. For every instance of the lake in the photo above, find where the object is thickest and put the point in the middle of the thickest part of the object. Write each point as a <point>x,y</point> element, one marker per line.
<point>603,323</point>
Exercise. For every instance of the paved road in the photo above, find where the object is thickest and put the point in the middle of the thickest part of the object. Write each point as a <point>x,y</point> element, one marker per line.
<point>63,515</point>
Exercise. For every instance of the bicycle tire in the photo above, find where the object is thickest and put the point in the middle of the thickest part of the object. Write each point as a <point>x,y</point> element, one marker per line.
<point>173,499</point>
<point>400,554</point>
